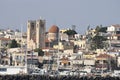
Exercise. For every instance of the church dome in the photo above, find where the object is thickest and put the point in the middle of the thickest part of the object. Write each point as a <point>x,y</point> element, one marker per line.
<point>53,29</point>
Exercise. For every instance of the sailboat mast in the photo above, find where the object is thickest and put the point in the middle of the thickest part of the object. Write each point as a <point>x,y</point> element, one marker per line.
<point>21,42</point>
<point>58,51</point>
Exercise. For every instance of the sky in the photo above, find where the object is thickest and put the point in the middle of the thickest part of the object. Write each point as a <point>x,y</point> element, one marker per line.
<point>63,13</point>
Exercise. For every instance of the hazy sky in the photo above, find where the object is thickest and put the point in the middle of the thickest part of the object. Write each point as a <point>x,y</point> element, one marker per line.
<point>63,13</point>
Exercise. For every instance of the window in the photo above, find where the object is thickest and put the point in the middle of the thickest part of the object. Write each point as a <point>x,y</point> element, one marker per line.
<point>6,62</point>
<point>68,63</point>
<point>60,63</point>
<point>3,69</point>
<point>2,62</point>
<point>65,64</point>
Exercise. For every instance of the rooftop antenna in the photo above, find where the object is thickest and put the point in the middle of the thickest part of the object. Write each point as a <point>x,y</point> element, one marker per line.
<point>88,28</point>
<point>21,41</point>
<point>58,52</point>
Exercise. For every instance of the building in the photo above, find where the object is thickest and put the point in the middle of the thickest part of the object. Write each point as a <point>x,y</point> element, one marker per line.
<point>18,56</point>
<point>80,43</point>
<point>118,62</point>
<point>114,32</point>
<point>114,36</point>
<point>64,37</point>
<point>53,33</point>
<point>103,62</point>
<point>18,59</point>
<point>89,59</point>
<point>52,36</point>
<point>32,59</point>
<point>36,34</point>
<point>65,63</point>
<point>4,42</point>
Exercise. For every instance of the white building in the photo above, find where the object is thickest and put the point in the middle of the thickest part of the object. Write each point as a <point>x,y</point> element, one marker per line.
<point>114,36</point>
<point>118,62</point>
<point>114,32</point>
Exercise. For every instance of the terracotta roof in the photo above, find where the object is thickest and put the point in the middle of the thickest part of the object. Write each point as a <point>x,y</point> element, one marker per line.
<point>64,60</point>
<point>117,34</point>
<point>53,29</point>
<point>5,39</point>
<point>103,56</point>
<point>47,54</point>
<point>116,25</point>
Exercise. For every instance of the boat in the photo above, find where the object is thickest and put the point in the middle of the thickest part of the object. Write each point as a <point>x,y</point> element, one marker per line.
<point>13,70</point>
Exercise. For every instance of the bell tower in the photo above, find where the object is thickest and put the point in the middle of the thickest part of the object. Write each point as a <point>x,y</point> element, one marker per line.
<point>36,34</point>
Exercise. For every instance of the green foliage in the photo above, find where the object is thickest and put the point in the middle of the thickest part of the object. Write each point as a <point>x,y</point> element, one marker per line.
<point>97,42</point>
<point>101,29</point>
<point>40,52</point>
<point>70,32</point>
<point>14,44</point>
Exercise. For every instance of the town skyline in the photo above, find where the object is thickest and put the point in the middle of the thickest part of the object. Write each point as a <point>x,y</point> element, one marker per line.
<point>64,14</point>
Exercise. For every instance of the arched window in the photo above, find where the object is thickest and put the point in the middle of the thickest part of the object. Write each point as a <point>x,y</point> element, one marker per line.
<point>68,63</point>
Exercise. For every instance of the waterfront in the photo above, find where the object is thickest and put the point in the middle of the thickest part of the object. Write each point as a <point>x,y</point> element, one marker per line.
<point>40,77</point>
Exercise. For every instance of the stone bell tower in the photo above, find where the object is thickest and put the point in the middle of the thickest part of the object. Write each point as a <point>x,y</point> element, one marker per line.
<point>36,34</point>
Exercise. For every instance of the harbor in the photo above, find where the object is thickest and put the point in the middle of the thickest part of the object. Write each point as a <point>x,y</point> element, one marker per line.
<point>38,77</point>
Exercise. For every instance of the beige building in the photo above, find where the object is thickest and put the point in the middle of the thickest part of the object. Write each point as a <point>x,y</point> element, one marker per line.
<point>17,55</point>
<point>5,60</point>
<point>113,32</point>
<point>65,63</point>
<point>118,62</point>
<point>53,33</point>
<point>89,59</point>
<point>18,58</point>
<point>4,42</point>
<point>59,46</point>
<point>103,61</point>
<point>81,43</point>
<point>36,34</point>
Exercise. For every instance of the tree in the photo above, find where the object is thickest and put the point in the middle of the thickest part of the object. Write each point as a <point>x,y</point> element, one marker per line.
<point>40,52</point>
<point>13,44</point>
<point>98,41</point>
<point>101,29</point>
<point>70,32</point>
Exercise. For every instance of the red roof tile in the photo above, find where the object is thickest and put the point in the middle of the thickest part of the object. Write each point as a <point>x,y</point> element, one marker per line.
<point>116,25</point>
<point>5,39</point>
<point>53,29</point>
<point>103,56</point>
